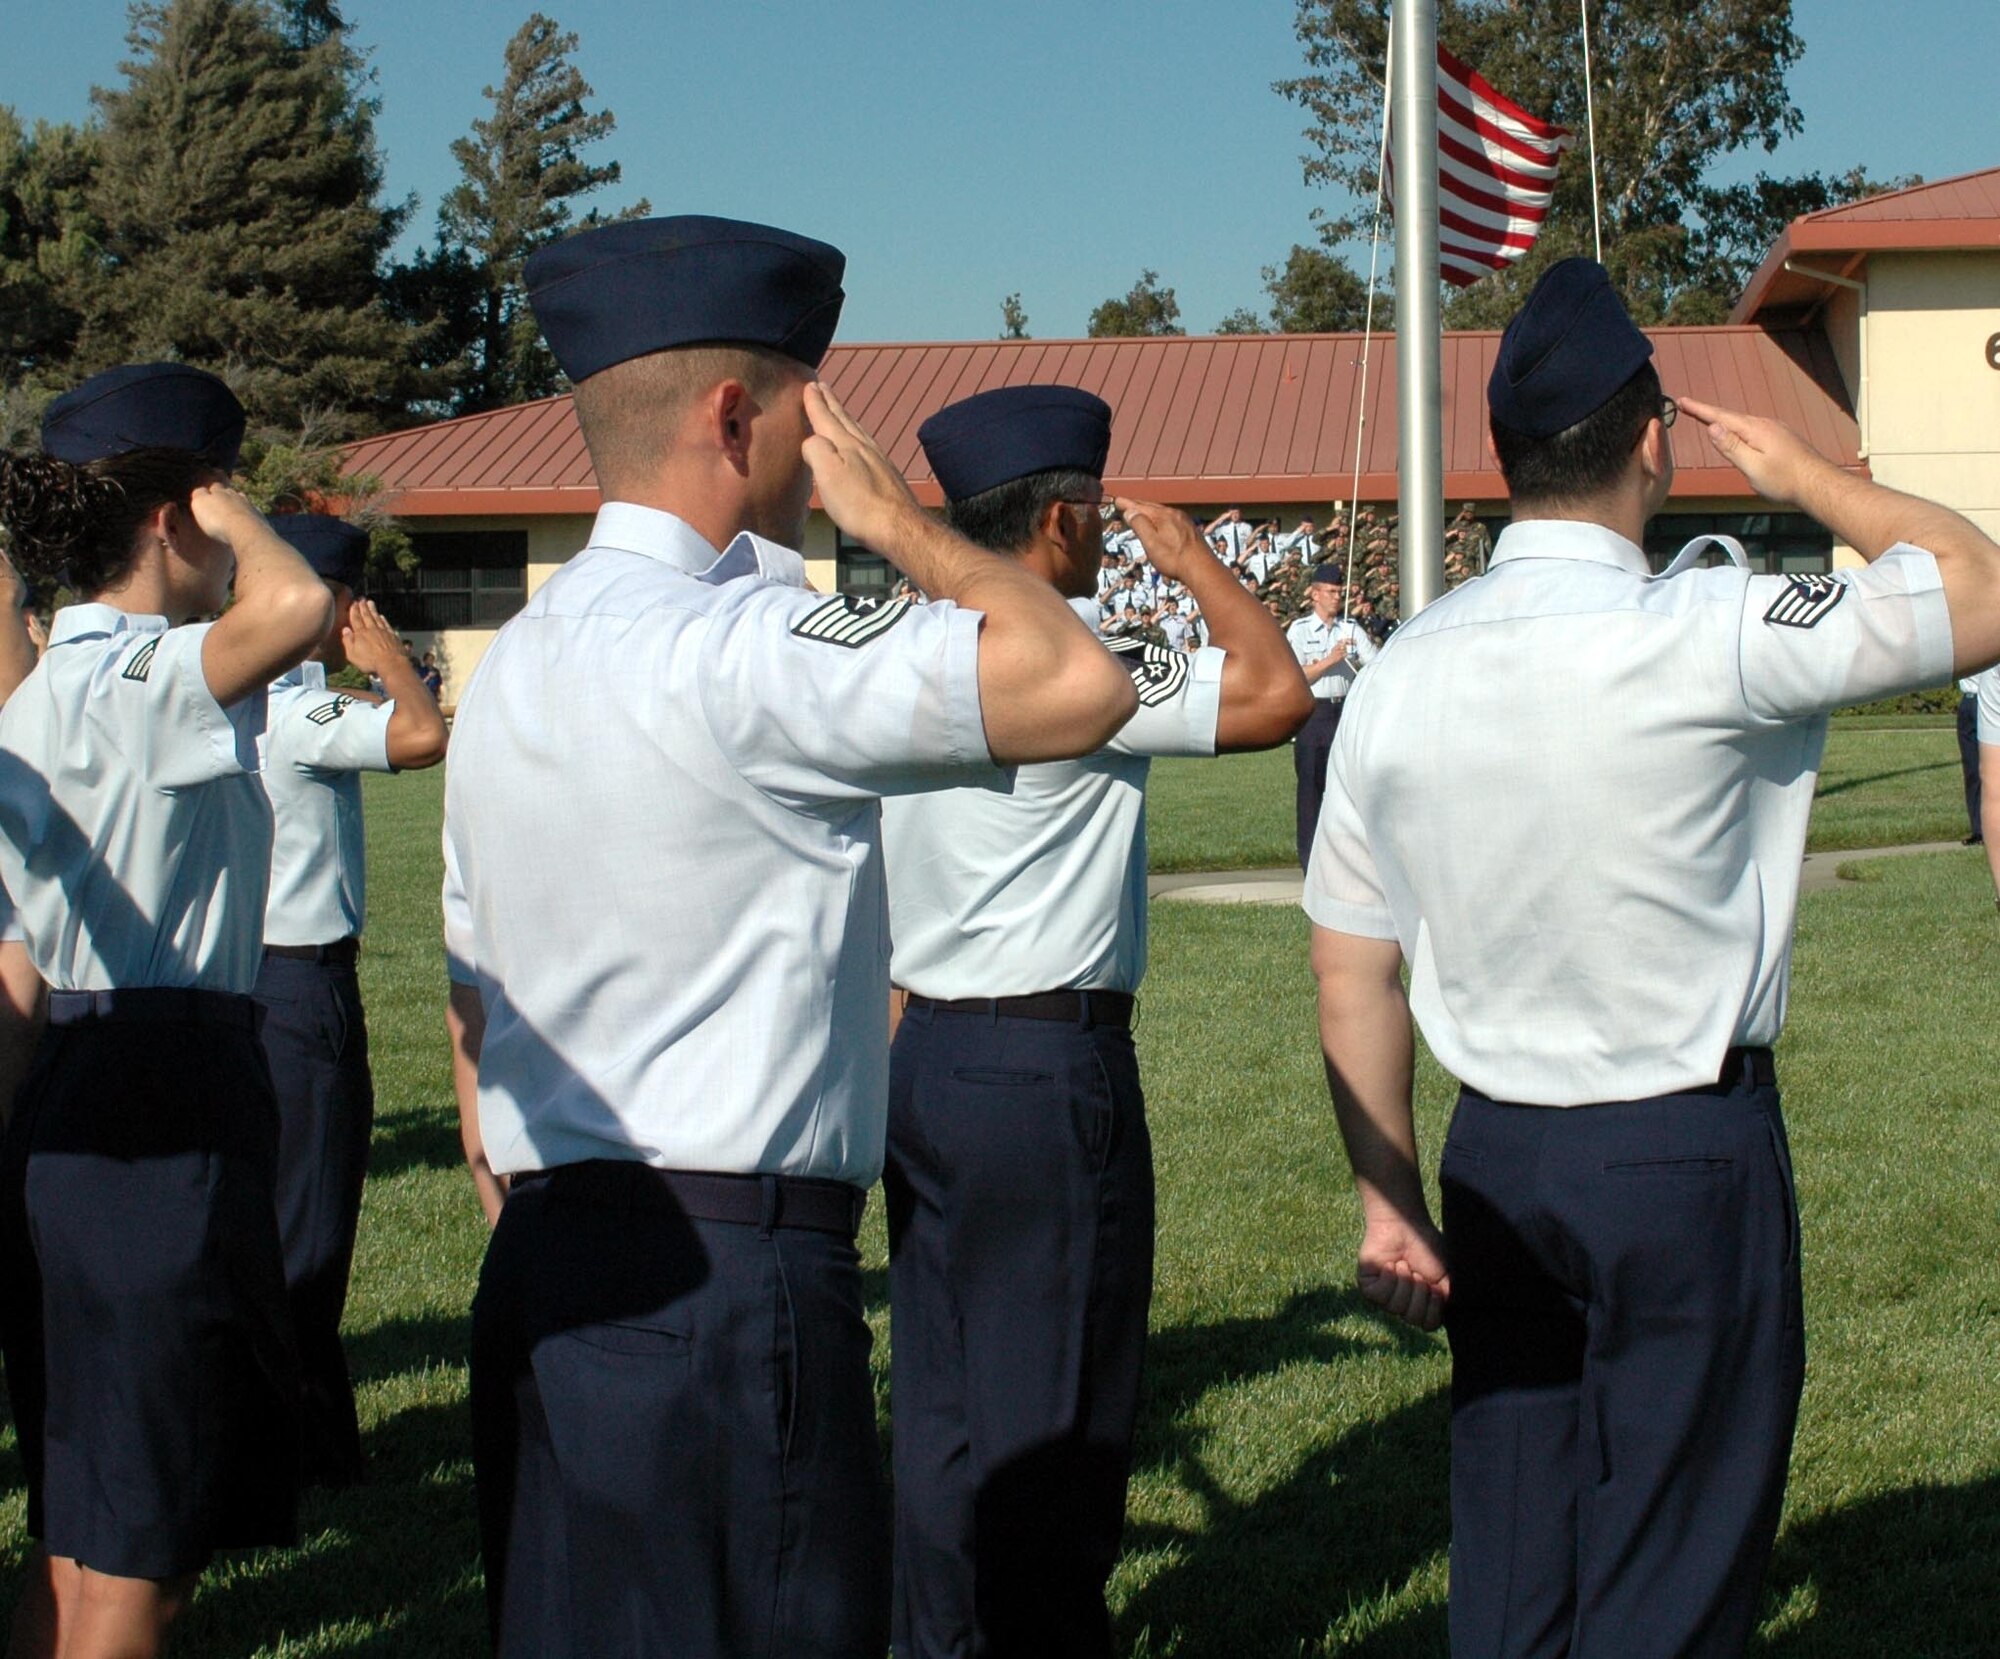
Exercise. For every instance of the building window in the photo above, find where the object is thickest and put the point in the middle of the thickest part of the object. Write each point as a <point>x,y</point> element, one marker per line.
<point>1778,544</point>
<point>858,571</point>
<point>463,579</point>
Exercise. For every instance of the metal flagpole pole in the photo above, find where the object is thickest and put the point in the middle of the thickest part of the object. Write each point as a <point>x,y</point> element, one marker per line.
<point>1419,337</point>
<point>1590,128</point>
<point>1367,340</point>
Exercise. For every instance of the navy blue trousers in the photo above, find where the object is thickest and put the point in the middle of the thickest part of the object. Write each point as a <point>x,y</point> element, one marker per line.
<point>1310,750</point>
<point>674,1436</point>
<point>1968,758</point>
<point>1627,1357</point>
<point>1020,1192</point>
<point>317,1044</point>
<point>149,1353</point>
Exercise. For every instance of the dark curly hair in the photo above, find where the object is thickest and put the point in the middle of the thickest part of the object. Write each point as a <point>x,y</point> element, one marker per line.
<point>79,525</point>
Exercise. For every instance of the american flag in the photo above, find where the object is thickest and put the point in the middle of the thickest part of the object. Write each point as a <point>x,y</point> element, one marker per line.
<point>1496,172</point>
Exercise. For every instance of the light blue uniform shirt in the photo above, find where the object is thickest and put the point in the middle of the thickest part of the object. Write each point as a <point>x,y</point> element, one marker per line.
<point>316,744</point>
<point>662,852</point>
<point>1577,796</point>
<point>134,836</point>
<point>1043,888</point>
<point>1986,687</point>
<point>1311,640</point>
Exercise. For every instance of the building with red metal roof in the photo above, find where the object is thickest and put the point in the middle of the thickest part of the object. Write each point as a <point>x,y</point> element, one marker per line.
<point>1873,328</point>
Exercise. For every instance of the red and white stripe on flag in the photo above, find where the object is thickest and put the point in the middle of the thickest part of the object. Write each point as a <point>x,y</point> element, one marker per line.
<point>1496,173</point>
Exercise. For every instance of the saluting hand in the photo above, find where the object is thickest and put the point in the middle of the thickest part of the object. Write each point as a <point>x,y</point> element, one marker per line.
<point>1402,1268</point>
<point>1774,458</point>
<point>861,491</point>
<point>370,643</point>
<point>1172,540</point>
<point>224,513</point>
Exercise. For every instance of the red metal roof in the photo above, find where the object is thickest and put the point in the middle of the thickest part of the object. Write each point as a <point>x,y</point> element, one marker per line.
<point>1960,213</point>
<point>1266,419</point>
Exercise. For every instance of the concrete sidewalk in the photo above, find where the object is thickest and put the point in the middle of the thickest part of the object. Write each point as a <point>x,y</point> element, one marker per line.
<point>1283,886</point>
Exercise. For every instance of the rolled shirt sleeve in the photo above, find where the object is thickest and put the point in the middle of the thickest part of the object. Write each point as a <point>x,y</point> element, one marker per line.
<point>1987,689</point>
<point>330,731</point>
<point>1343,889</point>
<point>815,699</point>
<point>1811,644</point>
<point>459,961</point>
<point>153,703</point>
<point>1180,699</point>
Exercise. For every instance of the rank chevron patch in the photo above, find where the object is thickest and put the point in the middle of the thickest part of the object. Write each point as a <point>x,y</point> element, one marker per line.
<point>141,664</point>
<point>1157,673</point>
<point>327,713</point>
<point>851,621</point>
<point>1806,601</point>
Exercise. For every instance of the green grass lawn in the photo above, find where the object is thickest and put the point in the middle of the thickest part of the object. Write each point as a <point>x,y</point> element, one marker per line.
<point>1887,781</point>
<point>1290,1491</point>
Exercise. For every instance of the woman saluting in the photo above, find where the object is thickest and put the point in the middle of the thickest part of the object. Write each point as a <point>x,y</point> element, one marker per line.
<point>148,1352</point>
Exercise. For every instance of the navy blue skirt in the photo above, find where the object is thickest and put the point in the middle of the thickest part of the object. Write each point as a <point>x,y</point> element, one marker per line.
<point>148,1344</point>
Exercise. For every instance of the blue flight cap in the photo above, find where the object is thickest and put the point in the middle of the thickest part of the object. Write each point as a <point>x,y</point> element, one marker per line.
<point>621,291</point>
<point>992,438</point>
<point>1327,573</point>
<point>145,406</point>
<point>1565,354</point>
<point>337,550</point>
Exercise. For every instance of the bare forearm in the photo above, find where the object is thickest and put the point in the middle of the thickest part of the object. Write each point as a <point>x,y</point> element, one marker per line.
<point>1989,808</point>
<point>17,650</point>
<point>417,732</point>
<point>1369,1048</point>
<point>1047,688</point>
<point>465,1023</point>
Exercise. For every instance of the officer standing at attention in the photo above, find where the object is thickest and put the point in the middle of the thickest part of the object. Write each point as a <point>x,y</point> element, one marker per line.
<point>317,742</point>
<point>1331,648</point>
<point>1592,872</point>
<point>665,919</point>
<point>22,994</point>
<point>149,1352</point>
<point>1020,1174</point>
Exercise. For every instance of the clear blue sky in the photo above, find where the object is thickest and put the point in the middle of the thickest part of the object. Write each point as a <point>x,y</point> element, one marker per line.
<point>961,152</point>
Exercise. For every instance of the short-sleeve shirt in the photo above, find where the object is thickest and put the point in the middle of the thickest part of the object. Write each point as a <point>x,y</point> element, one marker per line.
<point>1577,796</point>
<point>1311,640</point>
<point>1234,537</point>
<point>1043,887</point>
<point>662,852</point>
<point>134,836</point>
<point>316,745</point>
<point>11,931</point>
<point>1985,688</point>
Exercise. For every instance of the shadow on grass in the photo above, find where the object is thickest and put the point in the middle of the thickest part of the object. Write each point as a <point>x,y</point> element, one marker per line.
<point>1914,1571</point>
<point>1846,784</point>
<point>423,1139</point>
<point>1267,1574</point>
<point>408,1344</point>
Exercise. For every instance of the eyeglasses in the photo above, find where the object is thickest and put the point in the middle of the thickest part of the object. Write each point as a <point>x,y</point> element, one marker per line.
<point>1669,411</point>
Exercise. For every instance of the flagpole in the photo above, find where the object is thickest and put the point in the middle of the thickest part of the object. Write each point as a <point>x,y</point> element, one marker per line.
<point>1367,342</point>
<point>1419,336</point>
<point>1590,129</point>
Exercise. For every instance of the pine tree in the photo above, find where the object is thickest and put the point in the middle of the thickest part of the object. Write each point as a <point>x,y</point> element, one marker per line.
<point>239,194</point>
<point>522,169</point>
<point>46,237</point>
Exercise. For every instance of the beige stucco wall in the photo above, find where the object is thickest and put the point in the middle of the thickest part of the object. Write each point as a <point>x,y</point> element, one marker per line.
<point>1933,403</point>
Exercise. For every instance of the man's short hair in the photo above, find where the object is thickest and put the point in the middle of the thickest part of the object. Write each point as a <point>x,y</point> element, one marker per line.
<point>1583,460</point>
<point>630,411</point>
<point>1005,518</point>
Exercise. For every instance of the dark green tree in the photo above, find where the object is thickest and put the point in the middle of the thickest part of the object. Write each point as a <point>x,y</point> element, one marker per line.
<point>239,196</point>
<point>1242,321</point>
<point>1146,308</point>
<point>1013,318</point>
<point>47,237</point>
<point>1318,292</point>
<point>1677,86</point>
<point>521,170</point>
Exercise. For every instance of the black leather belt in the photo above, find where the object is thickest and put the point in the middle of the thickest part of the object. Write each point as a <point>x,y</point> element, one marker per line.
<point>1109,1008</point>
<point>342,953</point>
<point>765,1201</point>
<point>1754,1065</point>
<point>177,1005</point>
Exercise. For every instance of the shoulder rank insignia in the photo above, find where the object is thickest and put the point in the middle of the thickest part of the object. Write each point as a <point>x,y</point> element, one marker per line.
<point>330,711</point>
<point>141,664</point>
<point>1805,601</point>
<point>851,621</point>
<point>1157,673</point>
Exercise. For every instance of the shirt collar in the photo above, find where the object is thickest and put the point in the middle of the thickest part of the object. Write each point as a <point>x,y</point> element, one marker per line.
<point>95,621</point>
<point>673,541</point>
<point>311,675</point>
<point>1569,538</point>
